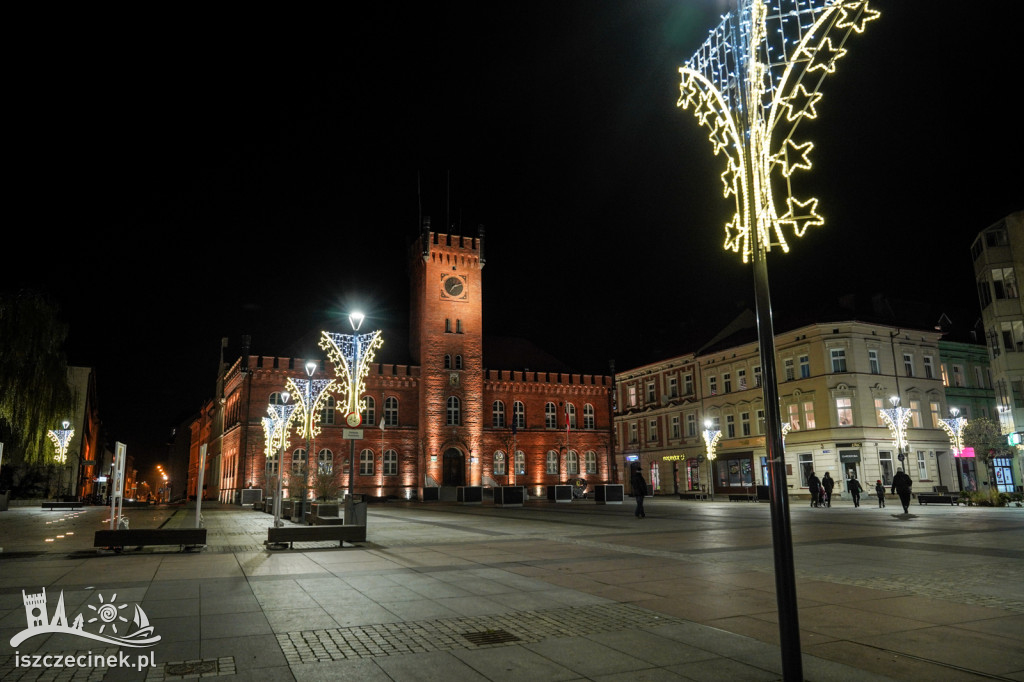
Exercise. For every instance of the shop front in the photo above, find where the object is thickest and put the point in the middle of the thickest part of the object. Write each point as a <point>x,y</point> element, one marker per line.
<point>734,473</point>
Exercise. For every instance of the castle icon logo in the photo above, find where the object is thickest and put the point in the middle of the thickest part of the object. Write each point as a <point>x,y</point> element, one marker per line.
<point>104,621</point>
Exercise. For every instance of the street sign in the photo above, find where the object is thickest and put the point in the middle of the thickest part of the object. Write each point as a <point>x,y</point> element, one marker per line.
<point>352,434</point>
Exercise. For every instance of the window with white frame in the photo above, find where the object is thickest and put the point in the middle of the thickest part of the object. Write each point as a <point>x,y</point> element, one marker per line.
<point>519,414</point>
<point>922,466</point>
<point>652,430</point>
<point>809,413</point>
<point>325,461</point>
<point>727,382</point>
<point>326,415</point>
<point>788,368</point>
<point>844,411</point>
<point>760,422</point>
<point>498,414</point>
<point>879,406</point>
<point>572,463</point>
<point>687,384</point>
<point>805,367</point>
<point>673,387</point>
<point>389,466</point>
<point>757,376</point>
<point>677,431</point>
<point>873,363</point>
<point>794,417</point>
<point>590,461</point>
<point>366,462</point>
<point>691,425</point>
<point>520,463</point>
<point>550,416</point>
<point>730,426</point>
<point>885,467</point>
<point>945,374</point>
<point>713,385</point>
<point>271,464</point>
<point>908,364</point>
<point>650,392</point>
<point>390,416</point>
<point>1004,283</point>
<point>631,395</point>
<point>1013,335</point>
<point>806,465</point>
<point>958,376</point>
<point>370,413</point>
<point>551,466</point>
<point>741,379</point>
<point>570,410</point>
<point>838,356</point>
<point>499,463</point>
<point>299,461</point>
<point>929,367</point>
<point>915,413</point>
<point>935,409</point>
<point>453,411</point>
<point>632,432</point>
<point>745,423</point>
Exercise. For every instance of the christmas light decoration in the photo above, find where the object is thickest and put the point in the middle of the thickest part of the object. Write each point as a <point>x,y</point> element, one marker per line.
<point>752,83</point>
<point>711,438</point>
<point>954,428</point>
<point>896,419</point>
<point>352,355</point>
<point>311,396</point>
<point>61,438</point>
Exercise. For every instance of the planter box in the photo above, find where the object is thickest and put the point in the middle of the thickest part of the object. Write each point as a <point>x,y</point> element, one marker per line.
<point>611,493</point>
<point>469,494</point>
<point>430,494</point>
<point>559,493</point>
<point>509,496</point>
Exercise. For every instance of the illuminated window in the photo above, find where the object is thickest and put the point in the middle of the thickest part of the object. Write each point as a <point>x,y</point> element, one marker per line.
<point>794,417</point>
<point>915,413</point>
<point>552,462</point>
<point>1004,283</point>
<point>453,414</point>
<point>879,406</point>
<point>391,411</point>
<point>390,463</point>
<point>498,414</point>
<point>806,465</point>
<point>366,463</point>
<point>519,414</point>
<point>590,461</point>
<point>631,395</point>
<point>325,461</point>
<point>520,462</point>
<point>844,410</point>
<point>809,414</point>
<point>550,416</point>
<point>588,416</point>
<point>499,463</point>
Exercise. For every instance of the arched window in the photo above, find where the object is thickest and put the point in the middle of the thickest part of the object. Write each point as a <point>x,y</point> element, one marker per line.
<point>552,463</point>
<point>272,464</point>
<point>276,399</point>
<point>590,461</point>
<point>390,466</point>
<point>391,411</point>
<point>520,463</point>
<point>570,412</point>
<point>519,414</point>
<point>325,461</point>
<point>299,461</point>
<point>370,413</point>
<point>327,414</point>
<point>454,412</point>
<point>499,463</point>
<point>498,414</point>
<point>366,462</point>
<point>458,362</point>
<point>588,416</point>
<point>572,463</point>
<point>550,416</point>
<point>447,361</point>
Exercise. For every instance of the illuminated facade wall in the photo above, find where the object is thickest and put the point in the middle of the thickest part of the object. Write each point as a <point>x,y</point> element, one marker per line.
<point>442,429</point>
<point>833,377</point>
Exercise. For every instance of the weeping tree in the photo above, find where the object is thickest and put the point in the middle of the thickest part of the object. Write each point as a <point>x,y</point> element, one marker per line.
<point>34,391</point>
<point>988,442</point>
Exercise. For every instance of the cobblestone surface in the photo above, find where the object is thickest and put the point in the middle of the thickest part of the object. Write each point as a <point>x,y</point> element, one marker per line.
<point>390,639</point>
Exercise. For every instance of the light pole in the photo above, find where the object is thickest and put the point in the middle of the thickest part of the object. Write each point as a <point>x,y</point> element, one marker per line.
<point>711,438</point>
<point>352,355</point>
<point>954,428</point>
<point>275,429</point>
<point>896,419</point>
<point>310,394</point>
<point>752,83</point>
<point>61,437</point>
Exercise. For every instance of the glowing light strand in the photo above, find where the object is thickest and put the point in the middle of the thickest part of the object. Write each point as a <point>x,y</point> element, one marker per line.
<point>760,67</point>
<point>61,438</point>
<point>352,355</point>
<point>954,428</point>
<point>311,398</point>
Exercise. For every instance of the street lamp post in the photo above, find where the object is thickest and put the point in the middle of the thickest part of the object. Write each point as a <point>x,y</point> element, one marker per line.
<point>352,355</point>
<point>896,419</point>
<point>310,394</point>
<point>275,428</point>
<point>711,438</point>
<point>61,437</point>
<point>954,428</point>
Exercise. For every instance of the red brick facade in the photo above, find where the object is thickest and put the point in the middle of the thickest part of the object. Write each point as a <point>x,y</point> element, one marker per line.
<point>454,419</point>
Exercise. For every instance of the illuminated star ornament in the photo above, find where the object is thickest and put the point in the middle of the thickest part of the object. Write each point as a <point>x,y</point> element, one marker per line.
<point>751,84</point>
<point>60,439</point>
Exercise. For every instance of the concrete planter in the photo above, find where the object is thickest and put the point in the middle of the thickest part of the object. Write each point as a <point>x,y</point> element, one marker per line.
<point>469,494</point>
<point>559,493</point>
<point>509,496</point>
<point>611,493</point>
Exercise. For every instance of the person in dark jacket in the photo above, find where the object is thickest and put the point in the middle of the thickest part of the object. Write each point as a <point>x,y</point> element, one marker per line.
<point>901,486</point>
<point>814,486</point>
<point>880,491</point>
<point>827,485</point>
<point>853,485</point>
<point>639,485</point>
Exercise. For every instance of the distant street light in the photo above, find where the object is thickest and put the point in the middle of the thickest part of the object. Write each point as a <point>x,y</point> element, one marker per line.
<point>61,438</point>
<point>896,419</point>
<point>711,438</point>
<point>275,429</point>
<point>310,394</point>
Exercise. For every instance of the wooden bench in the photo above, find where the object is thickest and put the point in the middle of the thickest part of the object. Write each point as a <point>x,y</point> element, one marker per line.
<point>141,537</point>
<point>938,498</point>
<point>61,505</point>
<point>318,533</point>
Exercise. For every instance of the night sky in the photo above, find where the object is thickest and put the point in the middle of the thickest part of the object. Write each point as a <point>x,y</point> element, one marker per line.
<point>179,179</point>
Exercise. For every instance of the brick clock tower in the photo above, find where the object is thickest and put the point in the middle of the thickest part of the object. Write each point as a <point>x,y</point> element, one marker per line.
<point>446,340</point>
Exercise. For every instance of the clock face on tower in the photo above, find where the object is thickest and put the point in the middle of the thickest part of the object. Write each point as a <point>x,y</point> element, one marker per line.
<point>453,286</point>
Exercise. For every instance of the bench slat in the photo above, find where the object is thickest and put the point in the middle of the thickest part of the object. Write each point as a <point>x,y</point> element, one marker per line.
<point>150,536</point>
<point>319,533</point>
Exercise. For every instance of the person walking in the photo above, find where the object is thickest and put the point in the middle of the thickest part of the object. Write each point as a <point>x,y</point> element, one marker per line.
<point>901,485</point>
<point>853,485</point>
<point>639,486</point>
<point>827,485</point>
<point>880,491</point>
<point>814,486</point>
